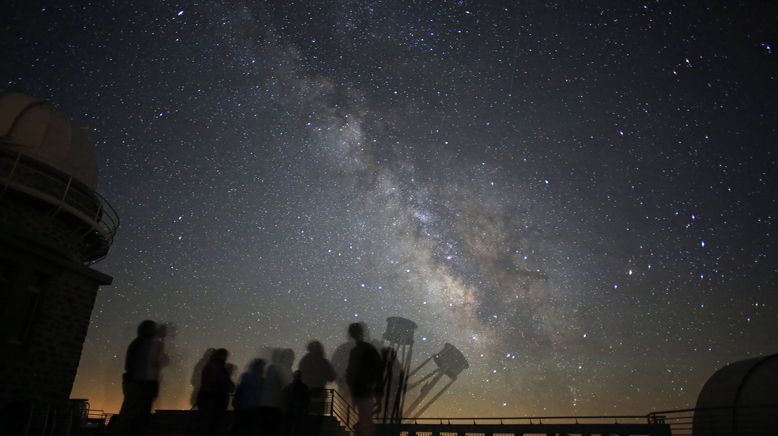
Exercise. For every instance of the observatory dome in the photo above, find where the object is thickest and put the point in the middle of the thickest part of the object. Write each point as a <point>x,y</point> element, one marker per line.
<point>39,130</point>
<point>740,399</point>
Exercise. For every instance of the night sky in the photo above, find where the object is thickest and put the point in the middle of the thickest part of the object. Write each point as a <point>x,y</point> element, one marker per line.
<point>579,195</point>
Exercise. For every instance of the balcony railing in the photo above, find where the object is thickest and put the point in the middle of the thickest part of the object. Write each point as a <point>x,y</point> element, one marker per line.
<point>536,425</point>
<point>760,419</point>
<point>335,405</point>
<point>43,420</point>
<point>64,195</point>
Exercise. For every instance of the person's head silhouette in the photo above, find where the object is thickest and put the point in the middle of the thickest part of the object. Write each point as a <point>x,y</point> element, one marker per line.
<point>220,356</point>
<point>257,366</point>
<point>316,348</point>
<point>147,329</point>
<point>357,331</point>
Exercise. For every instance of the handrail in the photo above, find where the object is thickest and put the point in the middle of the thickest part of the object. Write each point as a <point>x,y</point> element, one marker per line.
<point>341,409</point>
<point>530,418</point>
<point>682,421</point>
<point>705,409</point>
<point>346,413</point>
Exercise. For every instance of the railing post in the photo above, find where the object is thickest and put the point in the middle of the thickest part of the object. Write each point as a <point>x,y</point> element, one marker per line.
<point>13,170</point>
<point>63,200</point>
<point>332,402</point>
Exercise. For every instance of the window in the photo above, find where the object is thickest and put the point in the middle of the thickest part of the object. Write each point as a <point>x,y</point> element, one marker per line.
<point>22,292</point>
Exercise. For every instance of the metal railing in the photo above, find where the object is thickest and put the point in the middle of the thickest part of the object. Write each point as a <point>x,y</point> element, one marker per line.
<point>63,193</point>
<point>681,421</point>
<point>537,420</point>
<point>719,420</point>
<point>540,425</point>
<point>41,419</point>
<point>337,406</point>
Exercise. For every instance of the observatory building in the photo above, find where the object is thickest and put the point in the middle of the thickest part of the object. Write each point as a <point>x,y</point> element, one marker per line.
<point>53,226</point>
<point>739,399</point>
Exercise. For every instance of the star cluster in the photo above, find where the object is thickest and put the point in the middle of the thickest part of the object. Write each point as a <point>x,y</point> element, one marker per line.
<point>578,195</point>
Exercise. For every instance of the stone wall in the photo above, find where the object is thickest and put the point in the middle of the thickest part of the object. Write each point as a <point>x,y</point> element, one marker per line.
<point>46,298</point>
<point>43,369</point>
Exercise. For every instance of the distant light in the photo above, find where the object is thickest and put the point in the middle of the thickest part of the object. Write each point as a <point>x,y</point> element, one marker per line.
<point>702,244</point>
<point>546,181</point>
<point>180,13</point>
<point>629,272</point>
<point>621,133</point>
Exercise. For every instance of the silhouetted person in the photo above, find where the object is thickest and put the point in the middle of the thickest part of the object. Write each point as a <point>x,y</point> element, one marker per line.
<point>214,396</point>
<point>340,364</point>
<point>296,400</point>
<point>247,399</point>
<point>197,375</point>
<point>364,378</point>
<point>316,369</point>
<point>317,372</point>
<point>278,375</point>
<point>140,381</point>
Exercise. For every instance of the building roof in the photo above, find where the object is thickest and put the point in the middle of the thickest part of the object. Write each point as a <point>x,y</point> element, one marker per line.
<point>41,131</point>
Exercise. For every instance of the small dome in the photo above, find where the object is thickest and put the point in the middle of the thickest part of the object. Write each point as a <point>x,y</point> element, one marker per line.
<point>39,130</point>
<point>740,399</point>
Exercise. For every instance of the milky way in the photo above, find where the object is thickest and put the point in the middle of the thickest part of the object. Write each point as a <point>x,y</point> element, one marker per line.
<point>581,197</point>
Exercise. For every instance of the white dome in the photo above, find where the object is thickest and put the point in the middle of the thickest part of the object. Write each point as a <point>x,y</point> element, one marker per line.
<point>39,130</point>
